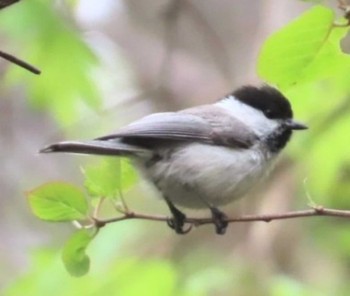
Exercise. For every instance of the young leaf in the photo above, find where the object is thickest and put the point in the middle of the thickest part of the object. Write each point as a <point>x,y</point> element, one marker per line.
<point>74,257</point>
<point>101,178</point>
<point>58,201</point>
<point>128,175</point>
<point>108,177</point>
<point>288,53</point>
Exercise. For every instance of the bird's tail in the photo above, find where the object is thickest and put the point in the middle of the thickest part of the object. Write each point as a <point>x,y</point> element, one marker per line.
<point>115,148</point>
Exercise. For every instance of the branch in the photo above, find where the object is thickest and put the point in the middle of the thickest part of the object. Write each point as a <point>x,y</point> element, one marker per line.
<point>314,211</point>
<point>9,57</point>
<point>19,62</point>
<point>5,3</point>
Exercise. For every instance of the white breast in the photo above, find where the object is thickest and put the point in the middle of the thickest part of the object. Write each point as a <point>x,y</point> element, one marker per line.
<point>198,174</point>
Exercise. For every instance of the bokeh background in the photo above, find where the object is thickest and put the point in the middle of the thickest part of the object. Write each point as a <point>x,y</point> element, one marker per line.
<point>105,63</point>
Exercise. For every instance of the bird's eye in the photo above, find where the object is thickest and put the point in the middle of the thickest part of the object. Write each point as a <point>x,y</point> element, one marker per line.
<point>268,113</point>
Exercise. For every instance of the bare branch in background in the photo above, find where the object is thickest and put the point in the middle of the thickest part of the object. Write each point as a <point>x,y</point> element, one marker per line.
<point>9,57</point>
<point>5,3</point>
<point>19,62</point>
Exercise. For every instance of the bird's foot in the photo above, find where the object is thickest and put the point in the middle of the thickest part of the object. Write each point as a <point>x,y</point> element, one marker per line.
<point>220,220</point>
<point>177,222</point>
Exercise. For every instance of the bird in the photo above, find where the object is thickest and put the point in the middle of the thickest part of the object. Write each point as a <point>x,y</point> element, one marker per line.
<point>203,157</point>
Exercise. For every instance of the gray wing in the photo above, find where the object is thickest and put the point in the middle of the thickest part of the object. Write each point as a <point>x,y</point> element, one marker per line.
<point>226,130</point>
<point>188,125</point>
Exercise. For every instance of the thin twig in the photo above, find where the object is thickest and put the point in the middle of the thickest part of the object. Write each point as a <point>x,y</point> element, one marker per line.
<point>9,57</point>
<point>315,211</point>
<point>19,62</point>
<point>5,3</point>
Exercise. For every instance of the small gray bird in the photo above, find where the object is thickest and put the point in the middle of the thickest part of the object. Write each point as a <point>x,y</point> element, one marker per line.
<point>206,156</point>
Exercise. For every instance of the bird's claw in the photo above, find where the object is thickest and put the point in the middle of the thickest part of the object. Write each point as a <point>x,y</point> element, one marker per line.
<point>177,222</point>
<point>178,219</point>
<point>178,226</point>
<point>220,221</point>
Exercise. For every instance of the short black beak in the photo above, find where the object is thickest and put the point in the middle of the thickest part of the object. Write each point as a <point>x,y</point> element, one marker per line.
<point>295,125</point>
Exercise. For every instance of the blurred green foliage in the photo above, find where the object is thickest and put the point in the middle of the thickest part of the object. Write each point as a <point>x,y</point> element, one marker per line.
<point>128,276</point>
<point>312,70</point>
<point>306,62</point>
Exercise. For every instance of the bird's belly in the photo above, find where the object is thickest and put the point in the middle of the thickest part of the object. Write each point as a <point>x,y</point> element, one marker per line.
<point>200,175</point>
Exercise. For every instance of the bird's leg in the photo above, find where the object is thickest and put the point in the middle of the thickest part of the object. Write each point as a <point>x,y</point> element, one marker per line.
<point>220,220</point>
<point>177,222</point>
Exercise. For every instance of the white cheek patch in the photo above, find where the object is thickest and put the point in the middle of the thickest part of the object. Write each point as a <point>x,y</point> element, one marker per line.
<point>250,116</point>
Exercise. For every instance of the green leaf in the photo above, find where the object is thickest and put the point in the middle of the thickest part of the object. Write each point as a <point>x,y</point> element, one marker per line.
<point>58,201</point>
<point>128,175</point>
<point>74,257</point>
<point>288,53</point>
<point>108,177</point>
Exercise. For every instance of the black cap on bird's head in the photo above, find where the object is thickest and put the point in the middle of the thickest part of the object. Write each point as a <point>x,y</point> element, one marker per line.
<point>271,102</point>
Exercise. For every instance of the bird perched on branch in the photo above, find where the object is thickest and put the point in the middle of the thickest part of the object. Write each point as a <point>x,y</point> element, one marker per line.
<point>206,156</point>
